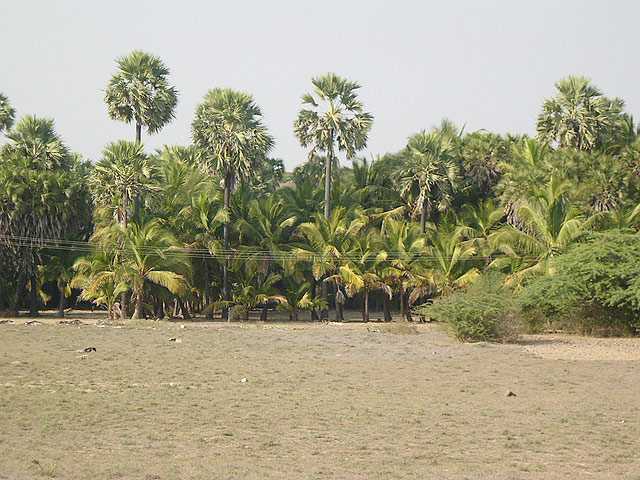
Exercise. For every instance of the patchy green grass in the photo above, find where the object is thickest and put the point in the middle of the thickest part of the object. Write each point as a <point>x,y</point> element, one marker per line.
<point>319,401</point>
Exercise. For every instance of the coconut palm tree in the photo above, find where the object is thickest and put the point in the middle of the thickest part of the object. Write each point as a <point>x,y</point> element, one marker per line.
<point>579,116</point>
<point>99,275</point>
<point>482,220</point>
<point>140,93</point>
<point>334,120</point>
<point>59,267</point>
<point>448,259</point>
<point>405,247</point>
<point>361,273</point>
<point>7,113</point>
<point>148,255</point>
<point>231,141</point>
<point>428,173</point>
<point>251,292</point>
<point>550,223</point>
<point>327,244</point>
<point>267,231</point>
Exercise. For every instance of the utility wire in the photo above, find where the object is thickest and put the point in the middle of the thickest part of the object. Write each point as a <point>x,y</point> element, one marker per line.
<point>240,254</point>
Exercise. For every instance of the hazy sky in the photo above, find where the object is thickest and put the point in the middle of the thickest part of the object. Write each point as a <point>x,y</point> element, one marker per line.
<point>489,64</point>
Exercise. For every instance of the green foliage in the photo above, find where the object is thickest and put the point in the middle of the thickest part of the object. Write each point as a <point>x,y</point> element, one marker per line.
<point>140,93</point>
<point>594,288</point>
<point>7,113</point>
<point>483,312</point>
<point>580,117</point>
<point>428,175</point>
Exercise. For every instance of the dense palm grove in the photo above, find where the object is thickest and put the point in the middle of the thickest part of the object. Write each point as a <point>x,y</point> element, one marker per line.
<point>219,228</point>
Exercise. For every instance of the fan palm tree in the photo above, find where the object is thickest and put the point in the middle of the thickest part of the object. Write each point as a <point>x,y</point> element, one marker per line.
<point>579,116</point>
<point>122,173</point>
<point>232,140</point>
<point>36,141</point>
<point>140,93</point>
<point>333,120</point>
<point>7,113</point>
<point>43,195</point>
<point>428,173</point>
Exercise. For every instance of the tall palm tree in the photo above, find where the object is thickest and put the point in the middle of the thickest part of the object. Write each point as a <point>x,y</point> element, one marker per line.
<point>232,141</point>
<point>334,120</point>
<point>7,113</point>
<point>579,116</point>
<point>140,92</point>
<point>428,173</point>
<point>122,173</point>
<point>36,141</point>
<point>43,195</point>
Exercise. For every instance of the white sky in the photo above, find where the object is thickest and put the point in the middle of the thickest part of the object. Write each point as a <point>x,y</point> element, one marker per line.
<point>489,64</point>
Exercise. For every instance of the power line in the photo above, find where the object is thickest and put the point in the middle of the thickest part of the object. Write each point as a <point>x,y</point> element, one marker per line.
<point>240,254</point>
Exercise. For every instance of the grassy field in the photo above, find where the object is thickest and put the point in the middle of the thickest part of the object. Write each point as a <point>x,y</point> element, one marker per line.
<point>319,401</point>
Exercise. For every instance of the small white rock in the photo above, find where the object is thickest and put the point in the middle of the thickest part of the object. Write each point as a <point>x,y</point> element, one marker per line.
<point>244,380</point>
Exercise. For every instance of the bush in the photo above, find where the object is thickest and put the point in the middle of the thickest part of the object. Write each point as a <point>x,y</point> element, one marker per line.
<point>594,289</point>
<point>483,312</point>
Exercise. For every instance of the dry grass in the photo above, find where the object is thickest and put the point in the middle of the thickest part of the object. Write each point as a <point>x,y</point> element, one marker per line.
<point>320,401</point>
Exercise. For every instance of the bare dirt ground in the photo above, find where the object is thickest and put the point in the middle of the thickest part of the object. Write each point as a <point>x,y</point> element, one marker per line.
<point>289,401</point>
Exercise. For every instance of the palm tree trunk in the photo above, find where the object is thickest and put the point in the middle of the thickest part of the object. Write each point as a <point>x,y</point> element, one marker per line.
<point>136,199</point>
<point>386,308</point>
<point>324,315</point>
<point>33,298</point>
<point>21,283</point>
<point>409,317</point>
<point>338,306</point>
<point>137,313</point>
<point>425,215</point>
<point>365,307</point>
<point>327,183</point>
<point>61,303</point>
<point>185,313</point>
<point>207,287</point>
<point>225,234</point>
<point>402,304</point>
<point>125,202</point>
<point>314,313</point>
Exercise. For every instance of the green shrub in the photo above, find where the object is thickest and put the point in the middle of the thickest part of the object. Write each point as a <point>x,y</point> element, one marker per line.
<point>485,311</point>
<point>594,289</point>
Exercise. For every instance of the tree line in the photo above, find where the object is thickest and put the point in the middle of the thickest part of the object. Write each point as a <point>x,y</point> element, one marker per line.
<point>218,226</point>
